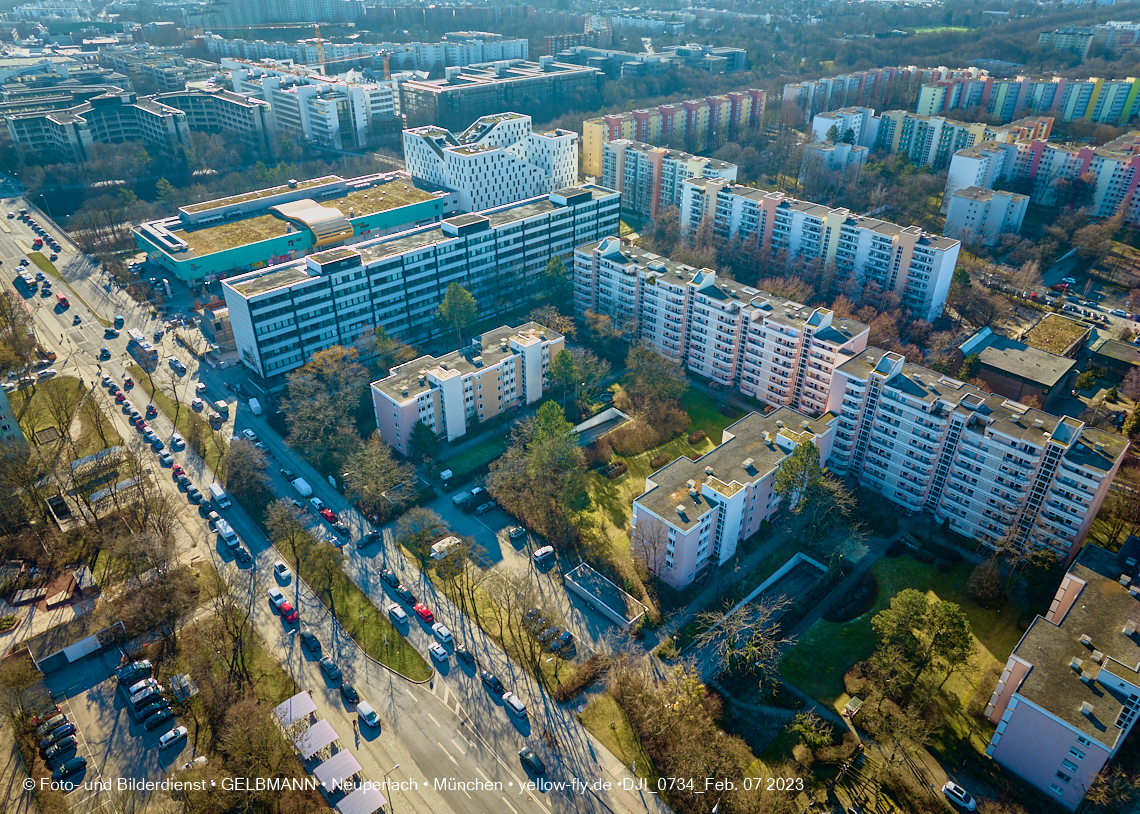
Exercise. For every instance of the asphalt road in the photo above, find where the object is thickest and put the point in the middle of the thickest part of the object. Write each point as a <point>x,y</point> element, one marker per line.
<point>450,729</point>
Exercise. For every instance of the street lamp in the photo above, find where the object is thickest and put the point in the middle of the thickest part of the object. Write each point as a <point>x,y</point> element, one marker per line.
<point>384,785</point>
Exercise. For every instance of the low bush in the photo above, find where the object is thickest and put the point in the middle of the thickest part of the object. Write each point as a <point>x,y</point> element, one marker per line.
<point>696,437</point>
<point>599,453</point>
<point>658,461</point>
<point>858,601</point>
<point>616,470</point>
<point>634,438</point>
<point>581,678</point>
<point>920,554</point>
<point>670,420</point>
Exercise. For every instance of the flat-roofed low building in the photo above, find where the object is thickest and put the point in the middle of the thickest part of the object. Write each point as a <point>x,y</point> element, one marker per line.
<point>282,315</point>
<point>1117,357</point>
<point>693,514</point>
<point>1016,370</point>
<point>499,371</point>
<point>1058,334</point>
<point>1069,694</point>
<point>260,228</point>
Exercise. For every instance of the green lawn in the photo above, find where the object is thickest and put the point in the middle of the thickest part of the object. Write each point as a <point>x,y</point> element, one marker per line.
<point>474,457</point>
<point>33,408</point>
<point>934,29</point>
<point>215,444</point>
<point>818,662</point>
<point>606,721</point>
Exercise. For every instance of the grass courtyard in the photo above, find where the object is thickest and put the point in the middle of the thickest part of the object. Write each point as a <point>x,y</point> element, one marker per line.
<point>823,655</point>
<point>53,403</point>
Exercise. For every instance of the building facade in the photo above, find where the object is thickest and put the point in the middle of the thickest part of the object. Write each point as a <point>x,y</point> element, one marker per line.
<point>499,371</point>
<point>992,468</point>
<point>649,178</point>
<point>694,125</point>
<point>833,161</point>
<point>984,214</point>
<point>1068,695</point>
<point>496,161</point>
<point>914,264</point>
<point>282,315</point>
<point>694,514</point>
<point>771,349</point>
<point>11,433</point>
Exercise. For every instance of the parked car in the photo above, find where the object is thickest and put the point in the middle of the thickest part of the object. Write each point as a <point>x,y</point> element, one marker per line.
<point>483,508</point>
<point>329,668</point>
<point>349,693</point>
<point>133,672</point>
<point>463,654</point>
<point>563,642</point>
<point>158,718</point>
<point>397,614</point>
<point>60,748</point>
<point>389,576</point>
<point>959,796</point>
<point>437,651</point>
<point>57,734</point>
<point>74,766</point>
<point>532,761</point>
<point>441,633</point>
<point>424,612</point>
<point>310,642</point>
<point>492,682</point>
<point>172,737</point>
<point>405,594</point>
<point>281,571</point>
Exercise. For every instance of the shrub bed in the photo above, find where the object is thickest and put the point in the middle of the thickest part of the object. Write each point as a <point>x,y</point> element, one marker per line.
<point>858,601</point>
<point>658,461</point>
<point>696,437</point>
<point>581,678</point>
<point>616,470</point>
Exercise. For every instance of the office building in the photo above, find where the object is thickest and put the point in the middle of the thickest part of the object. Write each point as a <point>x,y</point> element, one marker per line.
<point>649,178</point>
<point>984,215</point>
<point>696,125</point>
<point>774,350</point>
<point>540,89</point>
<point>282,315</point>
<point>166,69</point>
<point>708,58</point>
<point>1068,695</point>
<point>828,162</point>
<point>694,514</point>
<point>912,263</point>
<point>499,371</point>
<point>310,108</point>
<point>995,470</point>
<point>213,109</point>
<point>497,160</point>
<point>252,230</point>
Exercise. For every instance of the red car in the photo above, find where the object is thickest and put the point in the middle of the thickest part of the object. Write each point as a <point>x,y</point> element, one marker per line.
<point>178,470</point>
<point>424,612</point>
<point>287,612</point>
<point>328,514</point>
<point>141,426</point>
<point>128,383</point>
<point>120,397</point>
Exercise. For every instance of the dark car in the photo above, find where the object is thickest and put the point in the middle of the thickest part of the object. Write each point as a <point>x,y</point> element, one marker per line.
<point>531,615</point>
<point>157,719</point>
<point>57,734</point>
<point>61,748</point>
<point>194,495</point>
<point>73,766</point>
<point>463,654</point>
<point>184,481</point>
<point>548,634</point>
<point>349,693</point>
<point>153,707</point>
<point>310,642</point>
<point>368,539</point>
<point>329,668</point>
<point>133,672</point>
<point>389,576</point>
<point>287,474</point>
<point>110,333</point>
<point>532,761</point>
<point>243,556</point>
<point>492,682</point>
<point>406,595</point>
<point>563,642</point>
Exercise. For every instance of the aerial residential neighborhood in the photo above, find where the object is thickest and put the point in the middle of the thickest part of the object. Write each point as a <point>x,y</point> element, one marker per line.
<point>569,409</point>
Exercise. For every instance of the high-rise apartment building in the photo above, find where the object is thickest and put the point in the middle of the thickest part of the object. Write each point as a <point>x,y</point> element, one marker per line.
<point>281,315</point>
<point>992,468</point>
<point>649,178</point>
<point>465,94</point>
<point>777,351</point>
<point>499,371</point>
<point>912,263</point>
<point>984,214</point>
<point>695,125</point>
<point>694,514</point>
<point>1069,693</point>
<point>497,160</point>
<point>803,100</point>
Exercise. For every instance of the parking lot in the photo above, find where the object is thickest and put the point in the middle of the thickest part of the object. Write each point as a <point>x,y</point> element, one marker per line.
<point>113,743</point>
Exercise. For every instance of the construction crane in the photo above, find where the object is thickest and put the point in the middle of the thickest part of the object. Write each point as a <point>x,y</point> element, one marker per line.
<point>320,46</point>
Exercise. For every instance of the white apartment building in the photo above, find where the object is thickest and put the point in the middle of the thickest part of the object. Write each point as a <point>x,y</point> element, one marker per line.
<point>500,370</point>
<point>693,514</point>
<point>10,430</point>
<point>283,314</point>
<point>310,108</point>
<point>914,264</point>
<point>496,161</point>
<point>981,214</point>
<point>861,121</point>
<point>770,348</point>
<point>833,160</point>
<point>991,467</point>
<point>649,178</point>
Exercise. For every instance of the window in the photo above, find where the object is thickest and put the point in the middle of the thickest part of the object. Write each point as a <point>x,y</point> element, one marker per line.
<point>1062,776</point>
<point>1068,764</point>
<point>1077,753</point>
<point>1081,739</point>
<point>1053,787</point>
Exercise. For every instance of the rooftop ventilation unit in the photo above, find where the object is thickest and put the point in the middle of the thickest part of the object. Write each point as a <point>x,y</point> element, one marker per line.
<point>805,423</point>
<point>1129,629</point>
<point>692,491</point>
<point>1130,562</point>
<point>477,361</point>
<point>767,437</point>
<point>1098,656</point>
<point>747,463</point>
<point>1134,590</point>
<point>1077,664</point>
<point>1086,640</point>
<point>404,390</point>
<point>691,483</point>
<point>1099,447</point>
<point>680,510</point>
<point>1086,709</point>
<point>708,470</point>
<point>1038,423</point>
<point>779,423</point>
<point>1088,678</point>
<point>1125,580</point>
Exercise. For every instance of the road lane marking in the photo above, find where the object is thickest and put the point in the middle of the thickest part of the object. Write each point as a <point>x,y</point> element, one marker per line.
<point>445,695</point>
<point>511,807</point>
<point>433,720</point>
<point>483,774</point>
<point>462,751</point>
<point>449,757</point>
<point>411,694</point>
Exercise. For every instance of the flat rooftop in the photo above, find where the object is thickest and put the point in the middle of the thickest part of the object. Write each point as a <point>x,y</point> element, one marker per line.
<point>233,200</point>
<point>1055,334</point>
<point>287,276</point>
<point>1024,362</point>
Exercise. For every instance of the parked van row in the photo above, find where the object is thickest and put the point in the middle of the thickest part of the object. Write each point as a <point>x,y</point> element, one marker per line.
<point>148,702</point>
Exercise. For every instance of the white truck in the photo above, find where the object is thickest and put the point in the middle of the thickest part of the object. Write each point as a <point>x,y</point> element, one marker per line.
<point>227,533</point>
<point>218,496</point>
<point>255,406</point>
<point>302,487</point>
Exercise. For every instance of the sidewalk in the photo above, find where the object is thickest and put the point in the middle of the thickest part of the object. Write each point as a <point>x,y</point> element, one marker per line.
<point>12,776</point>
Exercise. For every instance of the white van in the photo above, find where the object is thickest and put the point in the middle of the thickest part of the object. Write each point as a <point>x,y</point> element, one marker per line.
<point>514,705</point>
<point>367,714</point>
<point>442,548</point>
<point>543,554</point>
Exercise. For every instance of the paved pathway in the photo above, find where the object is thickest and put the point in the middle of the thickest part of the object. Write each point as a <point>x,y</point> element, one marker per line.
<point>12,776</point>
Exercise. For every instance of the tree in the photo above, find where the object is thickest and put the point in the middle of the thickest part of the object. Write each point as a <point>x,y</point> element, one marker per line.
<point>969,368</point>
<point>1130,385</point>
<point>423,443</point>
<point>747,642</point>
<point>18,678</point>
<point>322,400</point>
<point>417,529</point>
<point>283,522</point>
<point>388,353</point>
<point>590,371</point>
<point>552,318</point>
<point>833,134</point>
<point>325,571</point>
<point>557,281</point>
<point>563,371</point>
<point>549,422</point>
<point>648,541</point>
<point>984,583</point>
<point>457,310</point>
<point>813,731</point>
<point>373,470</point>
<point>950,639</point>
<point>1085,381</point>
<point>652,377</point>
<point>245,467</point>
<point>821,503</point>
<point>897,624</point>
